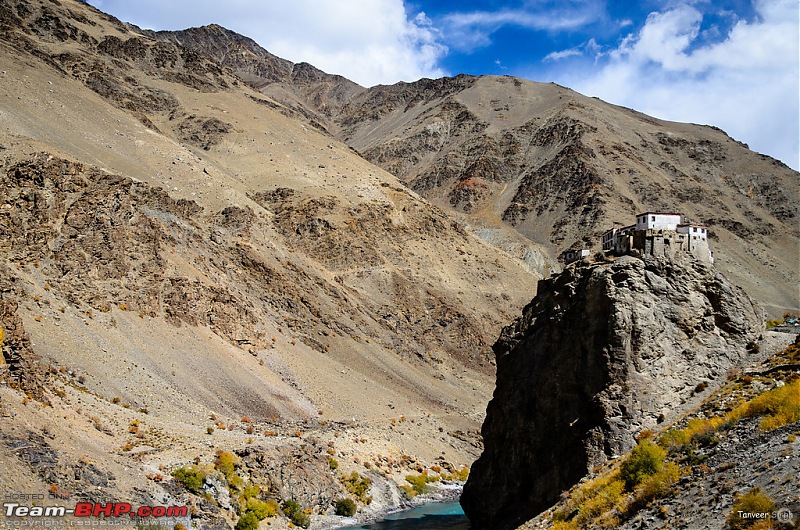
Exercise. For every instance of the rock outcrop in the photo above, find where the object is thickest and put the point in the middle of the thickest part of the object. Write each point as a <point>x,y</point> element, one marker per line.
<point>604,351</point>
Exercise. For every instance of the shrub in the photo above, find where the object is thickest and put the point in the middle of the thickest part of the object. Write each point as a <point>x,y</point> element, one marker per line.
<point>419,483</point>
<point>345,507</point>
<point>565,525</point>
<point>249,521</point>
<point>699,430</point>
<point>333,463</point>
<point>658,484</point>
<point>357,486</point>
<point>603,499</point>
<point>591,500</point>
<point>296,514</point>
<point>674,440</point>
<point>645,459</point>
<point>779,406</point>
<point>191,477</point>
<point>261,509</point>
<point>225,462</point>
<point>754,501</point>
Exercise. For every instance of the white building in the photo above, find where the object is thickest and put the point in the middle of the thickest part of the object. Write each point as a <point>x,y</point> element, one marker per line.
<point>659,234</point>
<point>658,221</point>
<point>694,231</point>
<point>618,239</point>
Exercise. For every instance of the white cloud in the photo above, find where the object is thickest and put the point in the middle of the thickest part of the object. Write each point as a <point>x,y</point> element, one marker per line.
<point>368,41</point>
<point>588,48</point>
<point>470,30</point>
<point>746,82</point>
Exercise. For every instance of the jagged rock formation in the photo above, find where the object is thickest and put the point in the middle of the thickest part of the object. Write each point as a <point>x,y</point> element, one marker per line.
<point>604,351</point>
<point>19,364</point>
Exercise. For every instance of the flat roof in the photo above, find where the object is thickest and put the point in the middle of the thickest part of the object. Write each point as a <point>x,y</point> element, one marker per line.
<point>658,213</point>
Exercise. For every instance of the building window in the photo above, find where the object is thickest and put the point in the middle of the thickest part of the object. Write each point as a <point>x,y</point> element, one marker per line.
<point>653,218</point>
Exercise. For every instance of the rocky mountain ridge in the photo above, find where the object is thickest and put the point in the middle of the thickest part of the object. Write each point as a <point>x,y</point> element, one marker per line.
<point>517,158</point>
<point>189,267</point>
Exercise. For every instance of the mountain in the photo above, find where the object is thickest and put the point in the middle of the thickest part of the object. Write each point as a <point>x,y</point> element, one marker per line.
<point>189,267</point>
<point>515,158</point>
<point>202,262</point>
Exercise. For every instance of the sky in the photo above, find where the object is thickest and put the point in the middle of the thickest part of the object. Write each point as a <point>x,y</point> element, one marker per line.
<point>734,64</point>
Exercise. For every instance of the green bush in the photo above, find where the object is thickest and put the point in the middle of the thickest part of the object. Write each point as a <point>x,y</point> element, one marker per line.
<point>249,521</point>
<point>296,514</point>
<point>345,507</point>
<point>419,483</point>
<point>357,486</point>
<point>262,509</point>
<point>754,501</point>
<point>645,459</point>
<point>191,477</point>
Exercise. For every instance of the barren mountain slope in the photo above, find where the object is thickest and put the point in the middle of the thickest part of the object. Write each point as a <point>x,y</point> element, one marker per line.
<point>561,168</point>
<point>177,247</point>
<point>556,167</point>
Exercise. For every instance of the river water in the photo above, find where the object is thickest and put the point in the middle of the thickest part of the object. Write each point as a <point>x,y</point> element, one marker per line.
<point>434,516</point>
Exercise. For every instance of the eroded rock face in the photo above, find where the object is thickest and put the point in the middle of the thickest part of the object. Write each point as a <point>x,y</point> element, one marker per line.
<point>603,352</point>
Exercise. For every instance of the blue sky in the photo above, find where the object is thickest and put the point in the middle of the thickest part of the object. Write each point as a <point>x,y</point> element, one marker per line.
<point>734,64</point>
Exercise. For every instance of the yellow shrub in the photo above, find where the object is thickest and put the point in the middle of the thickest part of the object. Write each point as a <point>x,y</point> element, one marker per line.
<point>658,484</point>
<point>592,500</point>
<point>565,525</point>
<point>604,499</point>
<point>674,439</point>
<point>701,426</point>
<point>779,406</point>
<point>754,501</point>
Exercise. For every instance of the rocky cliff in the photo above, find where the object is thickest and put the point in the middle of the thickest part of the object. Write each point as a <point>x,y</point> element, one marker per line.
<point>604,351</point>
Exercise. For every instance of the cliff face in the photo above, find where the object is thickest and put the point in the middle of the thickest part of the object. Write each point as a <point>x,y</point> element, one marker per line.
<point>603,352</point>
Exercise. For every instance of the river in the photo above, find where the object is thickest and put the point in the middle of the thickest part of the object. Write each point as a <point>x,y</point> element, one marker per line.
<point>434,516</point>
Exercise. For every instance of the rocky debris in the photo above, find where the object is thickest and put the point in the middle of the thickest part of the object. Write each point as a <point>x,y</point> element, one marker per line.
<point>81,479</point>
<point>302,473</point>
<point>202,131</point>
<point>603,352</point>
<point>20,365</point>
<point>746,458</point>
